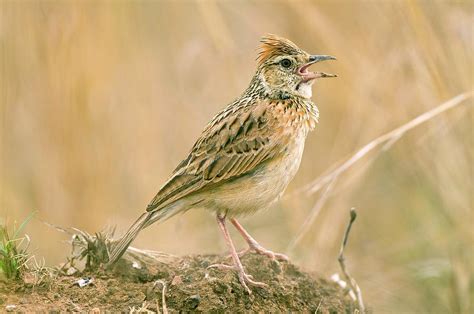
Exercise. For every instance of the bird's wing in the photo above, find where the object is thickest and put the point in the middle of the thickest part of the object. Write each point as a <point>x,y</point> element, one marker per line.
<point>235,142</point>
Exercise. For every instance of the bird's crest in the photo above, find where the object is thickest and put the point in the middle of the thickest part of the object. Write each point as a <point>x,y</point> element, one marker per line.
<point>273,45</point>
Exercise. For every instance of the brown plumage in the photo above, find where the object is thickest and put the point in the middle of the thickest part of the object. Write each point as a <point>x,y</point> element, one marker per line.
<point>248,153</point>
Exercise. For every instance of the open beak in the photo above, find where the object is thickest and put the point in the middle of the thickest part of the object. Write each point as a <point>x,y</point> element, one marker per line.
<point>307,75</point>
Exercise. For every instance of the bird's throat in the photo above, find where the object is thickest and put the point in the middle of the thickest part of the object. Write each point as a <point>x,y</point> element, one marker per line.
<point>305,90</point>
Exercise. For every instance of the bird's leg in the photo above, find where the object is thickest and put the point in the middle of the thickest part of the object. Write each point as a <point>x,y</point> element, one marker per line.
<point>253,244</point>
<point>244,278</point>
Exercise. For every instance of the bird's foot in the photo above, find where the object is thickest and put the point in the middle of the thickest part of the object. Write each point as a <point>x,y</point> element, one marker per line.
<point>257,248</point>
<point>254,246</point>
<point>244,278</point>
<point>263,251</point>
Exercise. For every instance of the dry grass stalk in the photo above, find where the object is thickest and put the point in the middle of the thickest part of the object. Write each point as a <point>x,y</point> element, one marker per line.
<point>163,293</point>
<point>387,140</point>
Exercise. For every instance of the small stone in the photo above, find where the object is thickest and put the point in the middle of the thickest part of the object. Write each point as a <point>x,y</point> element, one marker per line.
<point>136,265</point>
<point>84,281</point>
<point>10,307</point>
<point>71,271</point>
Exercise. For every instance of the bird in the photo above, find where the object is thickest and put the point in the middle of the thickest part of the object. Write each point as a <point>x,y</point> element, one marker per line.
<point>246,155</point>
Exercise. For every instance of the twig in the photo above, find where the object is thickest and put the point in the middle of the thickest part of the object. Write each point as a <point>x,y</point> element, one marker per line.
<point>163,293</point>
<point>354,287</point>
<point>319,305</point>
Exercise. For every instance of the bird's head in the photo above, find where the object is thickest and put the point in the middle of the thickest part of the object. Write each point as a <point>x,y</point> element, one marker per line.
<point>283,66</point>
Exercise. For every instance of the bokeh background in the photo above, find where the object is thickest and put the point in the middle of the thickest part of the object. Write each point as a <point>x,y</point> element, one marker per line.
<point>101,100</point>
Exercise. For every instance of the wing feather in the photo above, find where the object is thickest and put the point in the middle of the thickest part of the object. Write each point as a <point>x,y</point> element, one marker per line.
<point>235,142</point>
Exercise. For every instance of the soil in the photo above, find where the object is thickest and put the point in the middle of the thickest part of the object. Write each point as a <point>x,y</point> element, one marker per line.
<point>190,286</point>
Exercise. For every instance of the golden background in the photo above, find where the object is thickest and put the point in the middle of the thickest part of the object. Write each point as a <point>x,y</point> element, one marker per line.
<point>101,100</point>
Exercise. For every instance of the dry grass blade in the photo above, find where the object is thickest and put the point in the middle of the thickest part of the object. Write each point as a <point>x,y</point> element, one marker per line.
<point>388,139</point>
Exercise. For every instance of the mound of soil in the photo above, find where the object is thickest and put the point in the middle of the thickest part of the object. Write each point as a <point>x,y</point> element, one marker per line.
<point>189,286</point>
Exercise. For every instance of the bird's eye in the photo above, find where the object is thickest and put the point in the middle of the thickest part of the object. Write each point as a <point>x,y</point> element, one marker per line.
<point>286,63</point>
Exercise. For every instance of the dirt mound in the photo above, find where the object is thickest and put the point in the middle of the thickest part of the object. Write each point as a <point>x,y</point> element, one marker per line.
<point>189,286</point>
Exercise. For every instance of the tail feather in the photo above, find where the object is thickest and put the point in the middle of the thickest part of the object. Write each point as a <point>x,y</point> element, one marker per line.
<point>121,246</point>
<point>145,220</point>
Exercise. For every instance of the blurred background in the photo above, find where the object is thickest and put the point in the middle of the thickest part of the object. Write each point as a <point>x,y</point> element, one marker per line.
<point>101,100</point>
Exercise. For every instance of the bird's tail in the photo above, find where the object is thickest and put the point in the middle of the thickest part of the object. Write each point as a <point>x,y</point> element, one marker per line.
<point>119,248</point>
<point>145,220</point>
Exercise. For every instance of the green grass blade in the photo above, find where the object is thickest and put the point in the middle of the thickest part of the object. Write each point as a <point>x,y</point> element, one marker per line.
<point>23,224</point>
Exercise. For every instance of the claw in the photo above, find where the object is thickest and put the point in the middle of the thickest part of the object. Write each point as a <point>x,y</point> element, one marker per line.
<point>244,278</point>
<point>270,254</point>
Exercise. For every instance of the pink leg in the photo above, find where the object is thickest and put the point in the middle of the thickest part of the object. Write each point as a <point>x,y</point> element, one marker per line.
<point>244,278</point>
<point>253,245</point>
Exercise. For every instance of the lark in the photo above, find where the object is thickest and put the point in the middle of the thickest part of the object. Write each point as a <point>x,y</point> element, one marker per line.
<point>248,153</point>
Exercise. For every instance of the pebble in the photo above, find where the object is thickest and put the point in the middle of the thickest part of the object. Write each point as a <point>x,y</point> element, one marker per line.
<point>10,307</point>
<point>71,271</point>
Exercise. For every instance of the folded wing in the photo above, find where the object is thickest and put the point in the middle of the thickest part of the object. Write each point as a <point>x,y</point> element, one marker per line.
<point>234,143</point>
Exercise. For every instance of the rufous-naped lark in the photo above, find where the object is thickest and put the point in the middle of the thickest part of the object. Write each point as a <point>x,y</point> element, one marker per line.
<point>248,153</point>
